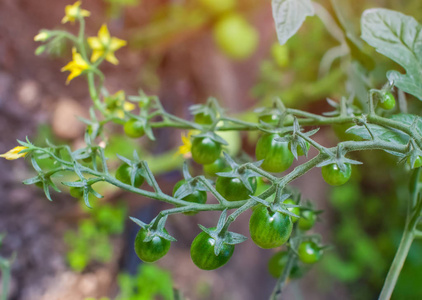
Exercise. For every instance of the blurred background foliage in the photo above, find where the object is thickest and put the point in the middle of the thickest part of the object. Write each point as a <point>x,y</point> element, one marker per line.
<point>185,51</point>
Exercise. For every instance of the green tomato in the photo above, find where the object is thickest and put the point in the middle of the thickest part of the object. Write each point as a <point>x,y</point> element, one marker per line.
<point>416,164</point>
<point>269,118</point>
<point>333,175</point>
<point>309,252</point>
<point>218,6</point>
<point>204,119</point>
<point>388,101</point>
<point>235,36</point>
<point>307,219</point>
<point>153,250</point>
<point>134,128</point>
<point>280,54</point>
<point>202,252</point>
<point>205,150</point>
<point>269,229</point>
<point>123,175</point>
<point>233,189</point>
<point>235,145</point>
<point>278,262</point>
<point>219,165</point>
<point>276,155</point>
<point>295,210</point>
<point>76,192</point>
<point>199,197</point>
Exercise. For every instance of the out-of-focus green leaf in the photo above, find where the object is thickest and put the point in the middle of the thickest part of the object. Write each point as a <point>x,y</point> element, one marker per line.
<point>341,270</point>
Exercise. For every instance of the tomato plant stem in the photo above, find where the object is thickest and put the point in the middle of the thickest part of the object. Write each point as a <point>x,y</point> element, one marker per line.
<point>396,265</point>
<point>286,272</point>
<point>406,240</point>
<point>5,271</point>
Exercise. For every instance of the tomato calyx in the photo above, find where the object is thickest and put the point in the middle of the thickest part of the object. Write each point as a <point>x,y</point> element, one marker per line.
<point>84,187</point>
<point>206,114</point>
<point>154,229</point>
<point>211,135</point>
<point>221,235</point>
<point>298,143</point>
<point>189,186</point>
<point>242,173</point>
<point>339,159</point>
<point>278,205</point>
<point>135,168</point>
<point>272,116</point>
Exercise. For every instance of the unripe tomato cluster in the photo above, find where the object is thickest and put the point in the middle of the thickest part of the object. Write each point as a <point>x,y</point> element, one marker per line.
<point>269,226</point>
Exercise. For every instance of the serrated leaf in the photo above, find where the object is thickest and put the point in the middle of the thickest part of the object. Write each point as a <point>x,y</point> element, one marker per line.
<point>289,15</point>
<point>398,37</point>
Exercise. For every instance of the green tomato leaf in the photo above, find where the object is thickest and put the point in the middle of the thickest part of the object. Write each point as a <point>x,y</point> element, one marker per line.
<point>409,120</point>
<point>382,133</point>
<point>289,16</point>
<point>398,37</point>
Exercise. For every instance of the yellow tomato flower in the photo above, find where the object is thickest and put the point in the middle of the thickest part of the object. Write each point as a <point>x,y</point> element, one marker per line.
<point>187,145</point>
<point>105,45</point>
<point>117,105</point>
<point>72,12</point>
<point>42,36</point>
<point>76,66</point>
<point>14,153</point>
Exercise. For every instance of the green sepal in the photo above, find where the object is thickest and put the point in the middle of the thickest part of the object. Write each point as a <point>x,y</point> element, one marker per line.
<point>213,136</point>
<point>339,159</point>
<point>239,172</point>
<point>139,222</point>
<point>229,238</point>
<point>211,108</point>
<point>191,184</point>
<point>155,228</point>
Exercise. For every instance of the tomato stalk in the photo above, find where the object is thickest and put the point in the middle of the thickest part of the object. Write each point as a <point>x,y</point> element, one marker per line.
<point>5,272</point>
<point>281,281</point>
<point>409,235</point>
